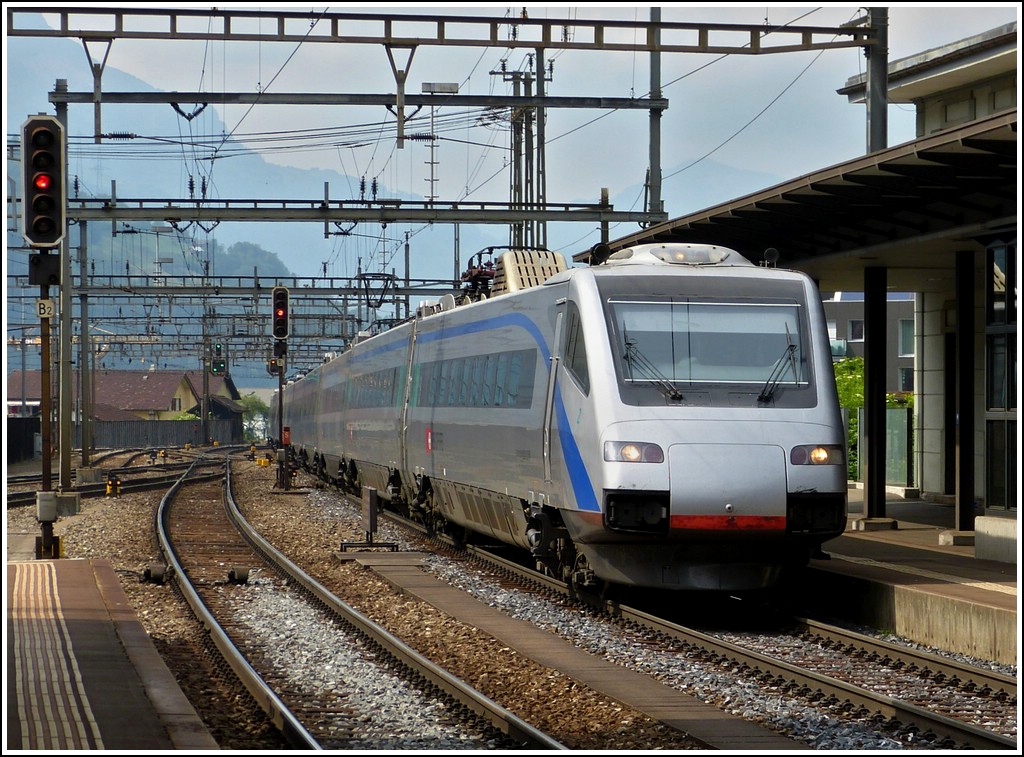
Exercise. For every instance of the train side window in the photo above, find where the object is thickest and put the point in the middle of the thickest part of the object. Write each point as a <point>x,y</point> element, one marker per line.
<point>500,378</point>
<point>514,376</point>
<point>393,393</point>
<point>465,371</point>
<point>454,381</point>
<point>428,383</point>
<point>487,383</point>
<point>575,354</point>
<point>444,373</point>
<point>476,388</point>
<point>466,392</point>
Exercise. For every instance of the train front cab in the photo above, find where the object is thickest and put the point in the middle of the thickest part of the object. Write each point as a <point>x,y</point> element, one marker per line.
<point>722,448</point>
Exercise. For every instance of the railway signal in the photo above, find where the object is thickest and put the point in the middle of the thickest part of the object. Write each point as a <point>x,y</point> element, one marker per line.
<point>218,365</point>
<point>279,299</point>
<point>45,191</point>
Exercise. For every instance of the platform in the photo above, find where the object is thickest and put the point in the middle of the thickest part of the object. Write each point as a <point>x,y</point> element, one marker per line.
<point>81,671</point>
<point>906,580</point>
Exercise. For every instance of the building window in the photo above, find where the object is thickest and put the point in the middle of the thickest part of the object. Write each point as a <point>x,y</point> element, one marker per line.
<point>906,378</point>
<point>1001,473</point>
<point>176,404</point>
<point>1001,393</point>
<point>855,330</point>
<point>906,337</point>
<point>1001,379</point>
<point>1001,310</point>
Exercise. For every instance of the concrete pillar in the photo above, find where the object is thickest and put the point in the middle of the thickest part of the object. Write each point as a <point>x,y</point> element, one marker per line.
<point>873,455</point>
<point>965,393</point>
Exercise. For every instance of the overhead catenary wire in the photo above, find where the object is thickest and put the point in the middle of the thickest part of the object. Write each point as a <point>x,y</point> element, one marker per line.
<point>234,143</point>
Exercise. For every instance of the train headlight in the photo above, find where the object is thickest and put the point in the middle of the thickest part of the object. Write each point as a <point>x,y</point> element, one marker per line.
<point>633,452</point>
<point>817,454</point>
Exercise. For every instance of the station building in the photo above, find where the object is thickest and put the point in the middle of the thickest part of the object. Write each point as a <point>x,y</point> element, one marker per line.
<point>936,217</point>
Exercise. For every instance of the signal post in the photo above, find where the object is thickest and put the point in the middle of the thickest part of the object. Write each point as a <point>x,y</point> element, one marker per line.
<point>279,326</point>
<point>44,211</point>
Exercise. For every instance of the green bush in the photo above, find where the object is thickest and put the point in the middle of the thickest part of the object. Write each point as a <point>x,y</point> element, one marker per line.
<point>850,387</point>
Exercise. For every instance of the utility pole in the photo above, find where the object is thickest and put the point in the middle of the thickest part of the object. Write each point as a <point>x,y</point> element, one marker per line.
<point>878,81</point>
<point>85,347</point>
<point>655,204</point>
<point>65,426</point>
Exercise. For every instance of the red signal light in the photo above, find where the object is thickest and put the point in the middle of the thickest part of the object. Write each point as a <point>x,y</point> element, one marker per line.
<point>45,194</point>
<point>279,300</point>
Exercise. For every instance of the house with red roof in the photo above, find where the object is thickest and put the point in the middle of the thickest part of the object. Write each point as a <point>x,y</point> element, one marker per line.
<point>132,395</point>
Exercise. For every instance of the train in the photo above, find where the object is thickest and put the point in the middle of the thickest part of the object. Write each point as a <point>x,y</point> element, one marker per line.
<point>663,417</point>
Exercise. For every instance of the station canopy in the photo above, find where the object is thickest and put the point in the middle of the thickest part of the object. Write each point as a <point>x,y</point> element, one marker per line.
<point>908,208</point>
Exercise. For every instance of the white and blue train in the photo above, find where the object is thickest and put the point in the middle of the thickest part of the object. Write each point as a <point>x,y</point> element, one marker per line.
<point>667,418</point>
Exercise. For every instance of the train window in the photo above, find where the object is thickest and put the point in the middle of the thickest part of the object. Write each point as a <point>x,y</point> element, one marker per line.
<point>455,382</point>
<point>575,353</point>
<point>675,342</point>
<point>490,364</point>
<point>466,386</point>
<point>425,380</point>
<point>514,373</point>
<point>500,377</point>
<point>443,376</point>
<point>494,380</point>
<point>377,389</point>
<point>476,387</point>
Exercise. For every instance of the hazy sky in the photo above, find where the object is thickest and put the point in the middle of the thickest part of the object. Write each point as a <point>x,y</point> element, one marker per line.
<point>806,124</point>
<point>767,117</point>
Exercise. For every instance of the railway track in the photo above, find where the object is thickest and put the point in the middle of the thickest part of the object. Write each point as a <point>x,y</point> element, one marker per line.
<point>215,558</point>
<point>917,696</point>
<point>131,478</point>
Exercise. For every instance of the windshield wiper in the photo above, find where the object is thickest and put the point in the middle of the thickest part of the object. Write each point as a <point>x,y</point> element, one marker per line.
<point>636,360</point>
<point>786,360</point>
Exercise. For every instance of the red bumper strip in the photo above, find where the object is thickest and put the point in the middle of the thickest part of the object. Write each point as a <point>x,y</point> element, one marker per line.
<point>728,522</point>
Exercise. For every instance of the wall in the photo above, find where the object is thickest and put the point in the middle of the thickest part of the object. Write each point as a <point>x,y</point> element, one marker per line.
<point>20,438</point>
<point>144,434</point>
<point>936,312</point>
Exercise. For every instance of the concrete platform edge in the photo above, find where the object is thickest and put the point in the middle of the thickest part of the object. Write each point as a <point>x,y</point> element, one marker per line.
<point>184,726</point>
<point>970,628</point>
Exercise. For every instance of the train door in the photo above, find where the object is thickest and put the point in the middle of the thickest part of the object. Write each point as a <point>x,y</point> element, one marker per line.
<point>573,420</point>
<point>550,398</point>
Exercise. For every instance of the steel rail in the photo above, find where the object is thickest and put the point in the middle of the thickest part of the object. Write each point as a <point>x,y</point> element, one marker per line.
<point>765,666</point>
<point>498,716</point>
<point>279,713</point>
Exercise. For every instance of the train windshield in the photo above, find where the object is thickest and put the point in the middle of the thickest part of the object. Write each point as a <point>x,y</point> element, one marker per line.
<point>709,350</point>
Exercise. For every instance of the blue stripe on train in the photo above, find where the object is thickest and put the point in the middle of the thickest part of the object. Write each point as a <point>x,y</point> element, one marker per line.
<point>583,490</point>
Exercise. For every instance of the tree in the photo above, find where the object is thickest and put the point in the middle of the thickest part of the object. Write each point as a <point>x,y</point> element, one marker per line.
<point>255,417</point>
<point>850,388</point>
<point>850,382</point>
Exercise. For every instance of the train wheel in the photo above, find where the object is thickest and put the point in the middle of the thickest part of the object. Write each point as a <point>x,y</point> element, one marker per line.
<point>582,577</point>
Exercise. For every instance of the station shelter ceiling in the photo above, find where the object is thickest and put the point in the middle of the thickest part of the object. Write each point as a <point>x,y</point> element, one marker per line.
<point>908,208</point>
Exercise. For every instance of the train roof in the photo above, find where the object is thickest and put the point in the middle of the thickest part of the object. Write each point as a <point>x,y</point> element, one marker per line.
<point>676,254</point>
